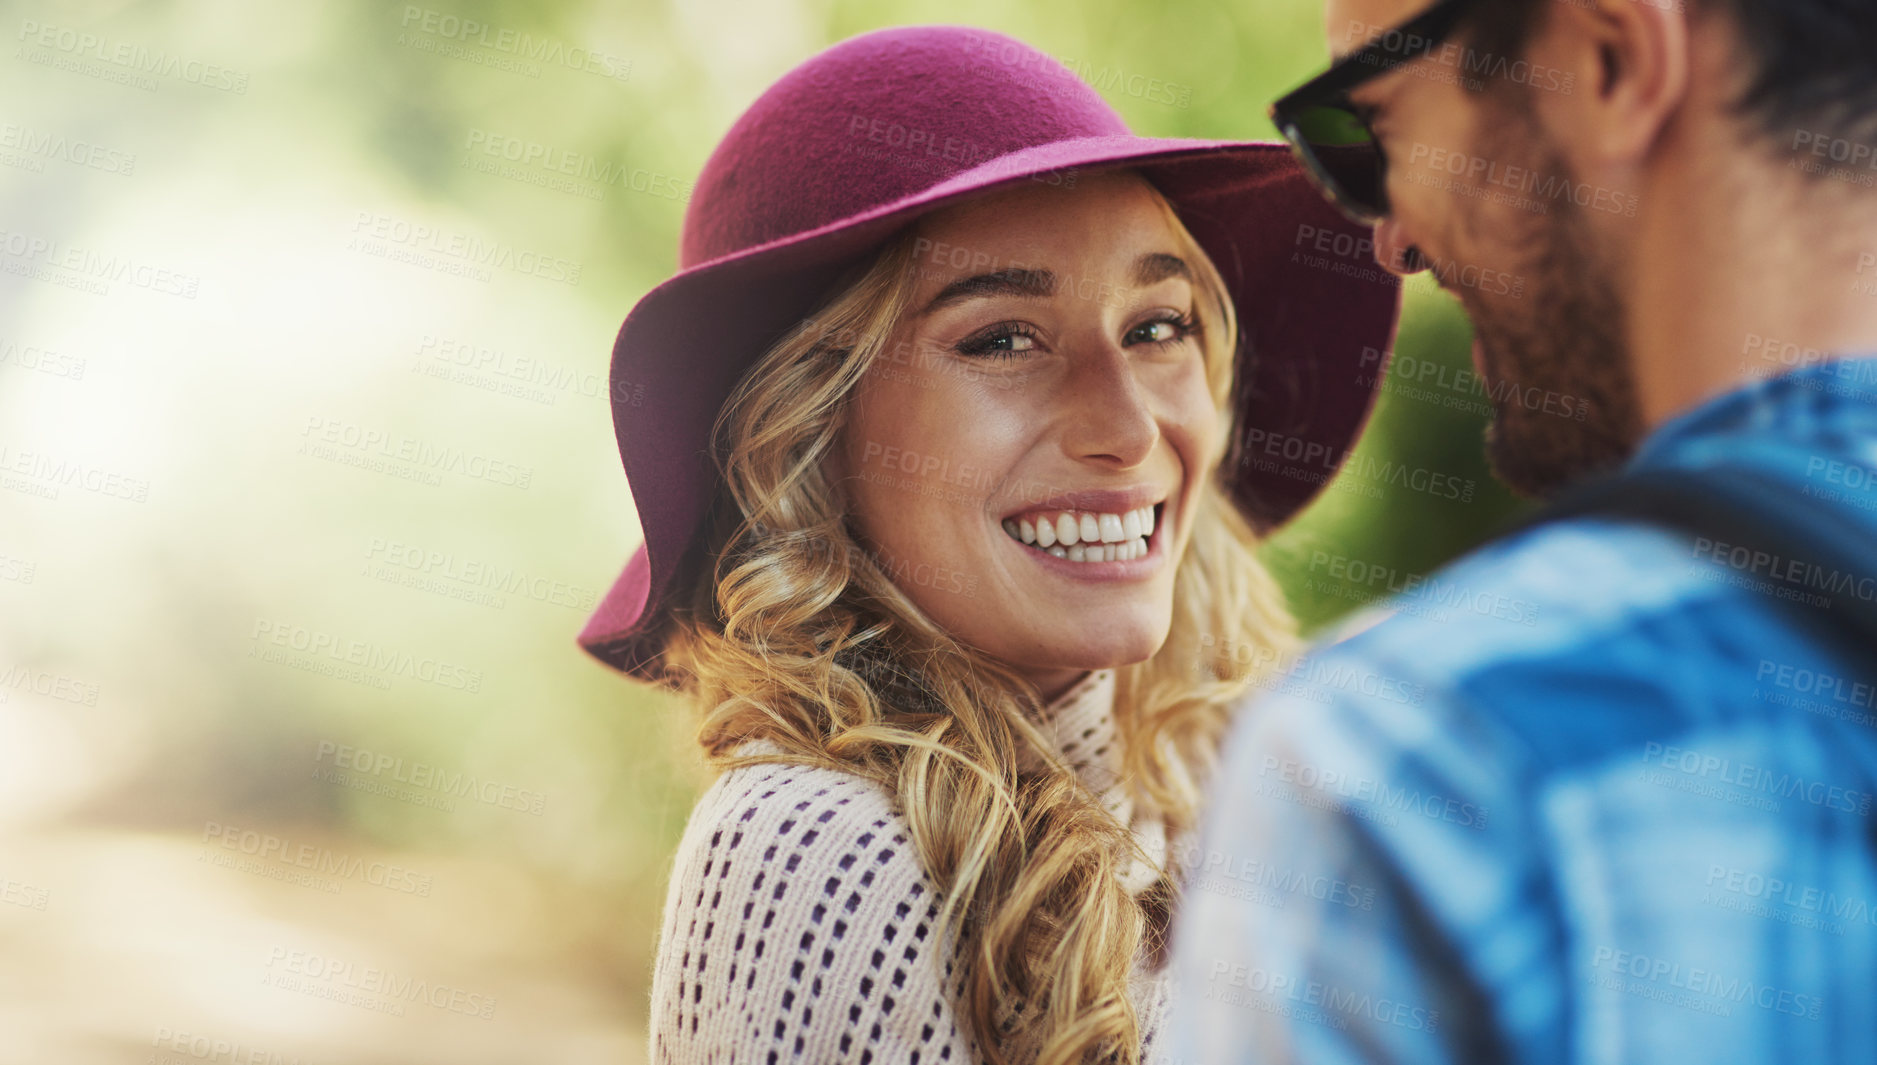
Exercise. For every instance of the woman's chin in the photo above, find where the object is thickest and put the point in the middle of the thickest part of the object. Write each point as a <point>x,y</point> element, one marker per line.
<point>1108,650</point>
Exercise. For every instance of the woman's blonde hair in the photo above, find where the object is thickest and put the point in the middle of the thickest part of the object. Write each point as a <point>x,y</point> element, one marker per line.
<point>800,636</point>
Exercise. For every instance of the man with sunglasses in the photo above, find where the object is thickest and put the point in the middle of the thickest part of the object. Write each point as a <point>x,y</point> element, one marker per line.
<point>1635,821</point>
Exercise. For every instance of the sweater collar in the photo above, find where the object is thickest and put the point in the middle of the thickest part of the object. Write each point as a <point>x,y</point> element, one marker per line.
<point>1081,722</point>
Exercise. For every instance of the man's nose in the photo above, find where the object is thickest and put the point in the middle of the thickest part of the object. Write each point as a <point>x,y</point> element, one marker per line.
<point>1393,250</point>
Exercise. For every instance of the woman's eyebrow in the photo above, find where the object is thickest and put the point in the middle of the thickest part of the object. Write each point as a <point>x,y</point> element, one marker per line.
<point>1149,269</point>
<point>1156,267</point>
<point>1013,282</point>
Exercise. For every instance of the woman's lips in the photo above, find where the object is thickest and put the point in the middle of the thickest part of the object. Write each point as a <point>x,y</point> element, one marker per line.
<point>1047,529</point>
<point>1114,544</point>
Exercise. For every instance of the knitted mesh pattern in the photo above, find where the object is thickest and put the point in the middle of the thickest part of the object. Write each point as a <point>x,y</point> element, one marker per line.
<point>799,924</point>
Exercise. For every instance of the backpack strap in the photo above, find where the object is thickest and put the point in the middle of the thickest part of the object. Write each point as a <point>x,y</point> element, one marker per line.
<point>1796,550</point>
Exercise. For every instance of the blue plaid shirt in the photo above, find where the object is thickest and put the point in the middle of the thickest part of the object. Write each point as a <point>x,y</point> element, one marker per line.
<point>1584,797</point>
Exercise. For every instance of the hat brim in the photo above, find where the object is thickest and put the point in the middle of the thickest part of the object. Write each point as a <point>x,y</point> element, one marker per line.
<point>1315,326</point>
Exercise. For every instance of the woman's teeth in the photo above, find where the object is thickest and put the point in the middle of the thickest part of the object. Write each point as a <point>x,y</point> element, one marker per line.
<point>1083,537</point>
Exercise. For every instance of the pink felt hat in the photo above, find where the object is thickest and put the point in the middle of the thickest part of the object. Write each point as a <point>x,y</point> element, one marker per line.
<point>859,141</point>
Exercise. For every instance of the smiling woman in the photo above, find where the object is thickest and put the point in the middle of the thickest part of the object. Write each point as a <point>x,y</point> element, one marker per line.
<point>1093,421</point>
<point>967,590</point>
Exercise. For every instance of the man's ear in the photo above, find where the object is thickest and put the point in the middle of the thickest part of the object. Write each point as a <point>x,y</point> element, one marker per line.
<point>1632,61</point>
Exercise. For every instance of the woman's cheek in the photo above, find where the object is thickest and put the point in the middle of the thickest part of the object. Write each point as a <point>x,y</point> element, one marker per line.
<point>1195,420</point>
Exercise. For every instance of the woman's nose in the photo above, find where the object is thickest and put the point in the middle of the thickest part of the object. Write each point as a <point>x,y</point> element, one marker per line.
<point>1114,417</point>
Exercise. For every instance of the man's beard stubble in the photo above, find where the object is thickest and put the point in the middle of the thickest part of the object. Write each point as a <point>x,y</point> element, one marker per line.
<point>1562,345</point>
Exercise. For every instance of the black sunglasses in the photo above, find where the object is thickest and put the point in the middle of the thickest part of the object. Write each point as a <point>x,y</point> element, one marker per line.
<point>1331,136</point>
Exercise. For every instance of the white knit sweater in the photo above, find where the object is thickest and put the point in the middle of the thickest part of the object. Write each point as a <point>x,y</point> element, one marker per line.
<point>798,921</point>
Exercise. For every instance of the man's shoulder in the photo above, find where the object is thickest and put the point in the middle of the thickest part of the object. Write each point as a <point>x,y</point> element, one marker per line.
<point>1543,594</point>
<point>1617,621</point>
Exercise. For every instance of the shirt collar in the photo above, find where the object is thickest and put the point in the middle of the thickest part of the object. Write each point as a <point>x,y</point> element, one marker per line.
<point>1834,396</point>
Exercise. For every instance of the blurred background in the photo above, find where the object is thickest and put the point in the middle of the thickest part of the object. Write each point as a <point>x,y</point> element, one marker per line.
<point>308,481</point>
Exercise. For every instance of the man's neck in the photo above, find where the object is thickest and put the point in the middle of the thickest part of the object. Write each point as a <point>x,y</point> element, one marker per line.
<point>1756,274</point>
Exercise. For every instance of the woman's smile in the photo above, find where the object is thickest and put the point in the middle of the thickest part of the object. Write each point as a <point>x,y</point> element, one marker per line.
<point>1092,545</point>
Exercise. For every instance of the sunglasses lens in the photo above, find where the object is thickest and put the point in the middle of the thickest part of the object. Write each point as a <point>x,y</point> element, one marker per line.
<point>1346,155</point>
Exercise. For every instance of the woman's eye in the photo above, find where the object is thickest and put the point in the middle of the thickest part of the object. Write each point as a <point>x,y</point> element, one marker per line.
<point>1163,330</point>
<point>1001,343</point>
